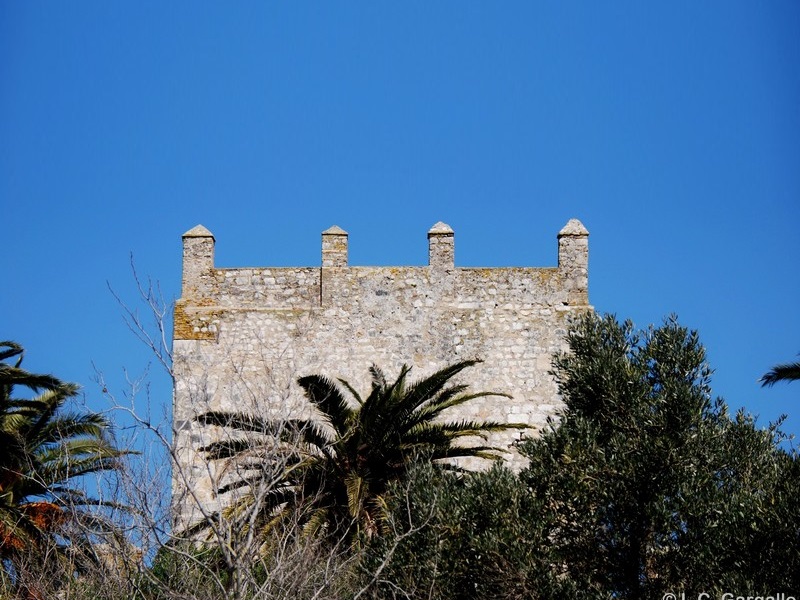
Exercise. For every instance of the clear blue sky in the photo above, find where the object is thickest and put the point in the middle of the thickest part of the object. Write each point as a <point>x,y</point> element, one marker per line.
<point>672,130</point>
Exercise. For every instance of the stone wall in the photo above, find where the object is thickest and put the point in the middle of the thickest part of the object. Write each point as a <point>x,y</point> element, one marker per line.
<point>243,336</point>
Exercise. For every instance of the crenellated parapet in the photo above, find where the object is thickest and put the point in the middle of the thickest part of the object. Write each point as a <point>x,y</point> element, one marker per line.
<point>209,289</point>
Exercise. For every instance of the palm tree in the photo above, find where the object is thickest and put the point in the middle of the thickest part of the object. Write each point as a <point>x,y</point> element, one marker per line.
<point>43,451</point>
<point>785,372</point>
<point>332,474</point>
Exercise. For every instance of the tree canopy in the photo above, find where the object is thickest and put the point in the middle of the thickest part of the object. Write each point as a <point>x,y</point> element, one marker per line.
<point>654,486</point>
<point>645,485</point>
<point>45,449</point>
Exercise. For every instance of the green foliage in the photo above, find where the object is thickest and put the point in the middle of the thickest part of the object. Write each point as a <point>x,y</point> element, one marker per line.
<point>44,450</point>
<point>784,372</point>
<point>648,484</point>
<point>330,475</point>
<point>464,536</point>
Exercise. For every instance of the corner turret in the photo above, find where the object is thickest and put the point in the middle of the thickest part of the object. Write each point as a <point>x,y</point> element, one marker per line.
<point>573,262</point>
<point>198,261</point>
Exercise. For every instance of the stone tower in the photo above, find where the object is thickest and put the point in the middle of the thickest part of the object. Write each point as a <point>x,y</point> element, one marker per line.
<point>244,335</point>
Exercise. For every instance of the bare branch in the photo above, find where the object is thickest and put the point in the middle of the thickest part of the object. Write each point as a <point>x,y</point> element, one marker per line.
<point>155,335</point>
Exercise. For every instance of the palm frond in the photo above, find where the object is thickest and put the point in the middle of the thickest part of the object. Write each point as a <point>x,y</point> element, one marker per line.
<point>317,521</point>
<point>378,378</point>
<point>29,405</point>
<point>326,396</point>
<point>237,420</point>
<point>286,430</point>
<point>74,448</point>
<point>784,372</point>
<point>356,492</point>
<point>12,376</point>
<point>352,390</point>
<point>65,469</point>
<point>53,400</point>
<point>72,425</point>
<point>463,428</point>
<point>13,423</point>
<point>435,407</point>
<point>273,436</point>
<point>485,452</point>
<point>14,349</point>
<point>425,389</point>
<point>226,448</point>
<point>76,498</point>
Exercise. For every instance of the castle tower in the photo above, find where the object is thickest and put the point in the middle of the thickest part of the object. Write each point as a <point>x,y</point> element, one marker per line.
<point>244,335</point>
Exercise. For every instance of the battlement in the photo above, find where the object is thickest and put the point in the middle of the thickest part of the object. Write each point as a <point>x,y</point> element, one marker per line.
<point>243,335</point>
<point>337,283</point>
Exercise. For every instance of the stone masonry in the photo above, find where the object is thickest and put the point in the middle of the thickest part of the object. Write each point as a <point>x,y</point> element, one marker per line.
<point>244,335</point>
